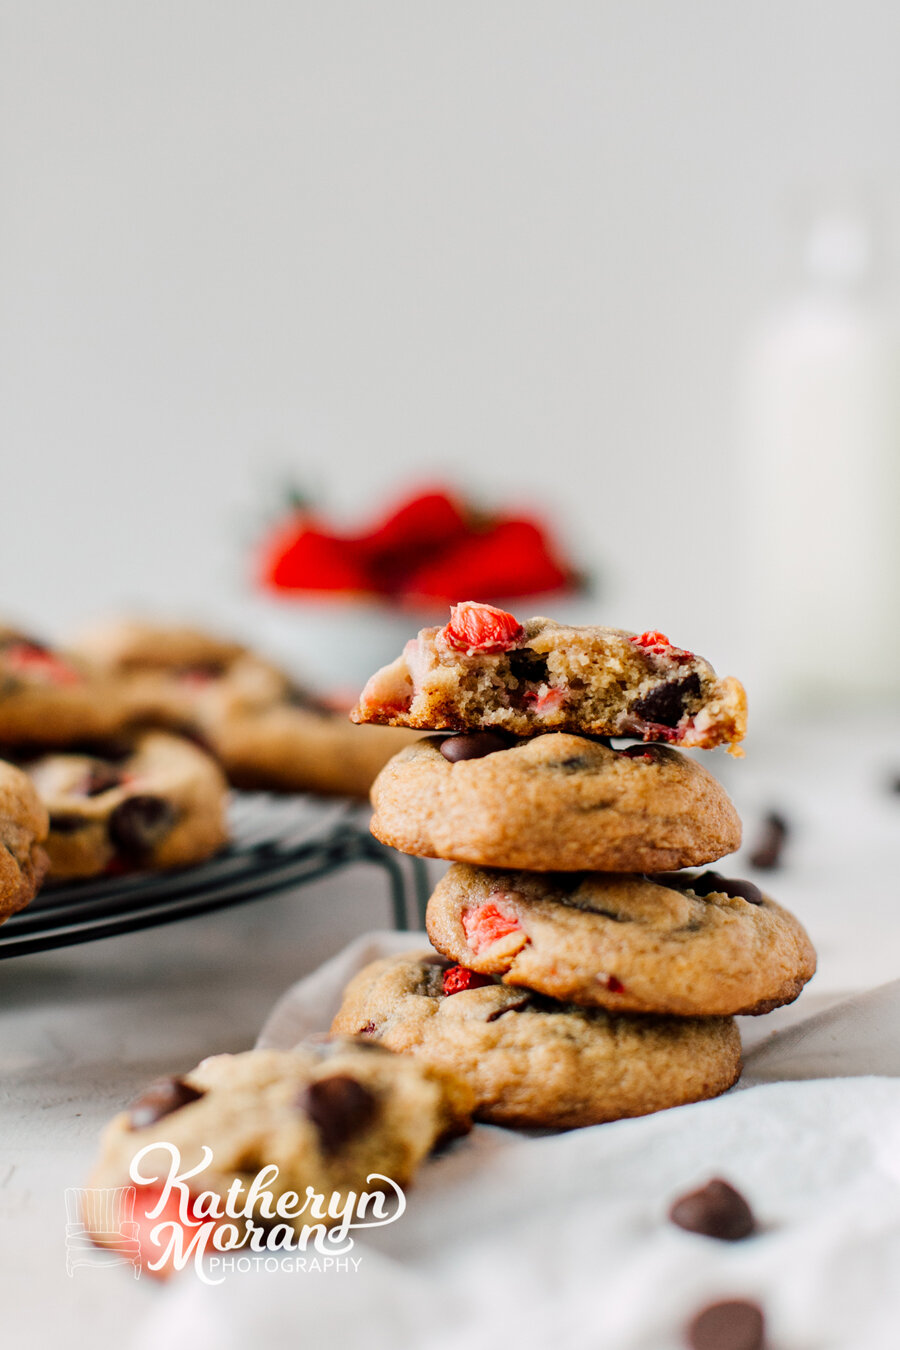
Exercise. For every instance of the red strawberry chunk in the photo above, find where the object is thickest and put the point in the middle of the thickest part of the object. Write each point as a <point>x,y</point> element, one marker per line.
<point>486,924</point>
<point>482,628</point>
<point>27,658</point>
<point>457,979</point>
<point>660,645</point>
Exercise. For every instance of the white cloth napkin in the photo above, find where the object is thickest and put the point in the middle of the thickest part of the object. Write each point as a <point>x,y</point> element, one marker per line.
<point>562,1240</point>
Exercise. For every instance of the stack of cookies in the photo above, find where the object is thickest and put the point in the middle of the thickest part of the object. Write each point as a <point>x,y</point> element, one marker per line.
<point>580,975</point>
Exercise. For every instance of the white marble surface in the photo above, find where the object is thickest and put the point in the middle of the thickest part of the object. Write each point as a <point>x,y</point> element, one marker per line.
<point>81,1029</point>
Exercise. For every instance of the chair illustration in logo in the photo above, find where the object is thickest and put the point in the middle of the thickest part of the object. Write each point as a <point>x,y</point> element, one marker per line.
<point>104,1217</point>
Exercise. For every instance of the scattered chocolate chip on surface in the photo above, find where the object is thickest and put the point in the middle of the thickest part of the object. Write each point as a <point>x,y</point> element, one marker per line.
<point>769,847</point>
<point>160,1099</point>
<point>734,1324</point>
<point>716,1210</point>
<point>339,1106</point>
<point>473,745</point>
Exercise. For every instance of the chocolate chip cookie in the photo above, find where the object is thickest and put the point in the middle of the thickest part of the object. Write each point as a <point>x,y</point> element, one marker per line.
<point>169,674</point>
<point>334,1117</point>
<point>289,747</point>
<point>51,698</point>
<point>554,802</point>
<point>684,943</point>
<point>485,670</point>
<point>268,733</point>
<point>23,830</point>
<point>532,1061</point>
<point>154,801</point>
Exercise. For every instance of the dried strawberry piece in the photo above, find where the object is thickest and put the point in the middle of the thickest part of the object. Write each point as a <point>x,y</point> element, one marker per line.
<point>659,645</point>
<point>486,924</point>
<point>29,658</point>
<point>482,628</point>
<point>612,983</point>
<point>458,978</point>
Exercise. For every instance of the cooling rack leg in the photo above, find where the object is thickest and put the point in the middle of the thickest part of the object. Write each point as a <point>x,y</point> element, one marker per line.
<point>421,887</point>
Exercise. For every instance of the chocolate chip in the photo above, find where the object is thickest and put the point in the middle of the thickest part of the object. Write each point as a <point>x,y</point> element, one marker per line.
<point>571,764</point>
<point>731,1325</point>
<point>473,745</point>
<point>710,883</point>
<point>139,823</point>
<point>68,824</point>
<point>770,843</point>
<point>160,1099</point>
<point>716,1210</point>
<point>200,670</point>
<point>327,1046</point>
<point>339,1106</point>
<point>666,704</point>
<point>510,1007</point>
<point>527,664</point>
<point>301,698</point>
<point>99,778</point>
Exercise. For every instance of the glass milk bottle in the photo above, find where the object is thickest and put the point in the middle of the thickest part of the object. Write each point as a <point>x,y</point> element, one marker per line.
<point>821,483</point>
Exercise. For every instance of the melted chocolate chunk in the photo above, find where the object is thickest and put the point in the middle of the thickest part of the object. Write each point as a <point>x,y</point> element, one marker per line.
<point>770,843</point>
<point>66,824</point>
<point>510,1007</point>
<point>667,703</point>
<point>526,664</point>
<point>571,764</point>
<point>138,824</point>
<point>733,1325</point>
<point>339,1107</point>
<point>473,745</point>
<point>709,883</point>
<point>716,1210</point>
<point>301,698</point>
<point>160,1099</point>
<point>99,778</point>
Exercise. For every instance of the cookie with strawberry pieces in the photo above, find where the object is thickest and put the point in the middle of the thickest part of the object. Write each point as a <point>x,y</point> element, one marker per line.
<point>51,698</point>
<point>682,943</point>
<point>529,1060</point>
<point>484,670</point>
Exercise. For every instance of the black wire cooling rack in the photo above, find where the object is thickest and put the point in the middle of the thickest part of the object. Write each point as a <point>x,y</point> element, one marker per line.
<point>277,843</point>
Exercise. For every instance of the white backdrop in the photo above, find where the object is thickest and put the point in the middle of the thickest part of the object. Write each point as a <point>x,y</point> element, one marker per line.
<point>517,243</point>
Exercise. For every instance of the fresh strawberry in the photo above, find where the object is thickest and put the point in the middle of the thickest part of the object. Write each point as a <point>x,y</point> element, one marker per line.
<point>31,659</point>
<point>457,979</point>
<point>482,628</point>
<point>512,557</point>
<point>426,520</point>
<point>486,924</point>
<point>309,559</point>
